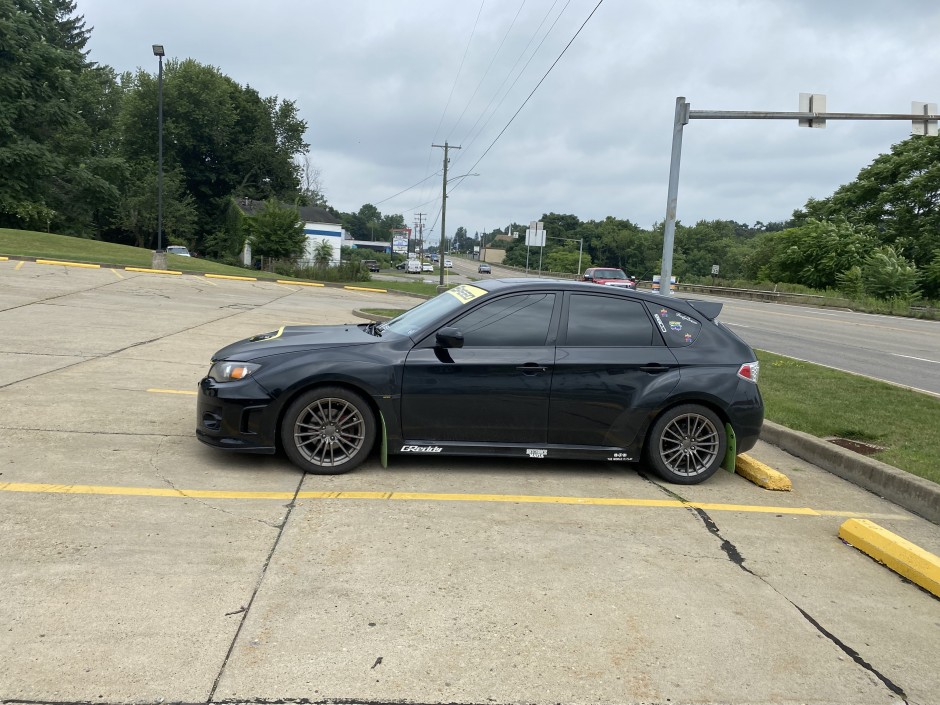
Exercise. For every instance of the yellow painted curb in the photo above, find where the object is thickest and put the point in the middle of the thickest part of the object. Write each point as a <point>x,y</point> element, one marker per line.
<point>284,281</point>
<point>762,475</point>
<point>68,264</point>
<point>365,288</point>
<point>900,555</point>
<point>150,271</point>
<point>4,259</point>
<point>230,276</point>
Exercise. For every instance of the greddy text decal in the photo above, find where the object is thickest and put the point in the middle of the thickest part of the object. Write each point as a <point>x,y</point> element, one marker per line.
<point>536,452</point>
<point>421,449</point>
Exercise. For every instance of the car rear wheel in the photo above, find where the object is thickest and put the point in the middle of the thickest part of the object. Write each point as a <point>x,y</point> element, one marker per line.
<point>687,444</point>
<point>328,431</point>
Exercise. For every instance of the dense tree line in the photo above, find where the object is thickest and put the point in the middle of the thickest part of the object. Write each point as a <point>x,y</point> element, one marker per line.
<point>78,143</point>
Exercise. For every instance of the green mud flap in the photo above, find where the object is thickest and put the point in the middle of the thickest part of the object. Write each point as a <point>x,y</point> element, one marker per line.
<point>731,453</point>
<point>384,456</point>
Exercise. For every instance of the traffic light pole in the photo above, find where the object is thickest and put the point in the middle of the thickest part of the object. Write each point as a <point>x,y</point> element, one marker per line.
<point>923,118</point>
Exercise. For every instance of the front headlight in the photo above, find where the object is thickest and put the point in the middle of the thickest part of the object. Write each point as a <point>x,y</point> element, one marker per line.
<point>230,371</point>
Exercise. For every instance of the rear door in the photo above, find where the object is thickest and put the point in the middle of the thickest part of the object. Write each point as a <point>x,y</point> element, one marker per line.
<point>612,370</point>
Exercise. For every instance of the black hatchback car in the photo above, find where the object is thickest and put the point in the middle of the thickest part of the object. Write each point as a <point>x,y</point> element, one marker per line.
<point>512,368</point>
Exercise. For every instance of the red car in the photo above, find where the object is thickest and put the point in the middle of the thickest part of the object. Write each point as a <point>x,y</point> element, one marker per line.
<point>609,277</point>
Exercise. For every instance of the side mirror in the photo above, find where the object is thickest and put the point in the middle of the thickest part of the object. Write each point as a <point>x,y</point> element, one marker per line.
<point>449,338</point>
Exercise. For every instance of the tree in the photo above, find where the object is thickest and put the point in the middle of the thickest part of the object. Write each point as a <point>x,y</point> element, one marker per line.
<point>898,195</point>
<point>323,253</point>
<point>276,231</point>
<point>135,213</point>
<point>225,139</point>
<point>816,252</point>
<point>41,59</point>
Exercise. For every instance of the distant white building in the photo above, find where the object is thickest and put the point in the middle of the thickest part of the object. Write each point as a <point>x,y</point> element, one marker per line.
<point>319,226</point>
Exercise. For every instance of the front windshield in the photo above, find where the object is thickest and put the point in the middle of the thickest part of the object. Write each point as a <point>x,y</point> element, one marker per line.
<point>609,274</point>
<point>438,308</point>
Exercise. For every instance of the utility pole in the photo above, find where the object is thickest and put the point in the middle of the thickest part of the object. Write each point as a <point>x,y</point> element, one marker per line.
<point>420,226</point>
<point>446,147</point>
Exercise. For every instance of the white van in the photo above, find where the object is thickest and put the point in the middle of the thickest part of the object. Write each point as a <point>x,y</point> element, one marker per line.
<point>413,266</point>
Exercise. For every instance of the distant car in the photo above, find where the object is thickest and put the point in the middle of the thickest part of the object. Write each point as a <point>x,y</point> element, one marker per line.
<point>435,258</point>
<point>541,369</point>
<point>484,269</point>
<point>371,265</point>
<point>427,267</point>
<point>401,265</point>
<point>448,264</point>
<point>178,250</point>
<point>609,277</point>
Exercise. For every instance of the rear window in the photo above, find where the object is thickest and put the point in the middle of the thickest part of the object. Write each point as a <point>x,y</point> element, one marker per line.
<point>677,328</point>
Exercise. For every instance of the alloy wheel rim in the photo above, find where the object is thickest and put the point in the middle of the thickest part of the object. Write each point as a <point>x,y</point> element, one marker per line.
<point>689,444</point>
<point>328,432</point>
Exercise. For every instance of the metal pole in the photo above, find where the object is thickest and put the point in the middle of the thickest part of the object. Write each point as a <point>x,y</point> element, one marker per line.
<point>443,217</point>
<point>669,230</point>
<point>580,252</point>
<point>160,162</point>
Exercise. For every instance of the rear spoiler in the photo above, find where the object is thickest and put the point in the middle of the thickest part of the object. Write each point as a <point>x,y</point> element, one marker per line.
<point>709,309</point>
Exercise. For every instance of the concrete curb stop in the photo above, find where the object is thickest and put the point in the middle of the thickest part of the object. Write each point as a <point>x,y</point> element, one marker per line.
<point>898,554</point>
<point>761,474</point>
<point>909,491</point>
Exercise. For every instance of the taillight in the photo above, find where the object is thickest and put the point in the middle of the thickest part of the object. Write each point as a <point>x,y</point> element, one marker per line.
<point>749,371</point>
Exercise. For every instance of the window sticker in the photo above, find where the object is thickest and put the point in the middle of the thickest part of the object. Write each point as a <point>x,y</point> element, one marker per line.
<point>678,329</point>
<point>466,293</point>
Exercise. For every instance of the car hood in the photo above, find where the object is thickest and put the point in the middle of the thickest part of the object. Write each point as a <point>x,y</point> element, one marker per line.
<point>289,339</point>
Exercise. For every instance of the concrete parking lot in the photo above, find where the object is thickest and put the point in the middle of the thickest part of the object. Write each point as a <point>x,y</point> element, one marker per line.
<point>137,565</point>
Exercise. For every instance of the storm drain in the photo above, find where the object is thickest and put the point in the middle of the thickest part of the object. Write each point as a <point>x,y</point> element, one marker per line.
<point>856,446</point>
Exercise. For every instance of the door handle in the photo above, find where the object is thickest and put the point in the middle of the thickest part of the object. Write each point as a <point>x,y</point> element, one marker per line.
<point>531,368</point>
<point>654,368</point>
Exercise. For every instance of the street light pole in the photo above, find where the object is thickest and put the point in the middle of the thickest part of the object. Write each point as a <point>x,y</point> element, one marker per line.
<point>159,256</point>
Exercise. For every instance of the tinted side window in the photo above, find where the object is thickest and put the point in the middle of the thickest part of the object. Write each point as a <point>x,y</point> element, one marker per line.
<point>677,328</point>
<point>604,321</point>
<point>512,321</point>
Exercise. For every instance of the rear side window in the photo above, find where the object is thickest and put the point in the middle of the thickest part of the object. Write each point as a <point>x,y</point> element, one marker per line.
<point>677,328</point>
<point>607,322</point>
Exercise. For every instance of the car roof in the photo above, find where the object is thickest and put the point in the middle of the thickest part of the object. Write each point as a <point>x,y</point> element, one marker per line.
<point>709,309</point>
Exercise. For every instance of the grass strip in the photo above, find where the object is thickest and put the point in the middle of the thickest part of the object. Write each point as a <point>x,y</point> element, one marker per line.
<point>828,403</point>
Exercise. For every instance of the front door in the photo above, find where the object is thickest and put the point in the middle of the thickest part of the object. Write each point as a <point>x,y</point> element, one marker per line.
<point>496,387</point>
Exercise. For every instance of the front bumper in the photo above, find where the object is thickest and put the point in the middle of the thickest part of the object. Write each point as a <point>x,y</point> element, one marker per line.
<point>236,416</point>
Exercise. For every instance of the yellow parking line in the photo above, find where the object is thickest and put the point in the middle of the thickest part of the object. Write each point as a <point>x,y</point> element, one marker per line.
<point>145,270</point>
<point>366,288</point>
<point>20,264</point>
<point>117,274</point>
<point>284,281</point>
<point>231,276</point>
<point>173,391</point>
<point>68,264</point>
<point>416,496</point>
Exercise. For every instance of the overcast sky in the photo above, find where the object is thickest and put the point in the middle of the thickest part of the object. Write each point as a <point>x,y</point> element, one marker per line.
<point>379,81</point>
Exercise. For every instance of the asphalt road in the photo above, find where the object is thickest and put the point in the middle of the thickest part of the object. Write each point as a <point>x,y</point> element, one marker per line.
<point>138,566</point>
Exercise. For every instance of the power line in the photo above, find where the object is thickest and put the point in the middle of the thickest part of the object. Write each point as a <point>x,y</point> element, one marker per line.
<point>534,89</point>
<point>409,188</point>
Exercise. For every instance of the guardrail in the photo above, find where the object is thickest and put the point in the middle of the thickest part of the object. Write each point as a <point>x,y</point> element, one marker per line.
<point>754,294</point>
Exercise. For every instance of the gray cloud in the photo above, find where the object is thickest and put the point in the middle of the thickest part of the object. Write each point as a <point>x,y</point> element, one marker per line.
<point>372,80</point>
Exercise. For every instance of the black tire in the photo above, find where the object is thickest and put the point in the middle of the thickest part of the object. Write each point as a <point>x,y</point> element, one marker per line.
<point>328,431</point>
<point>687,444</point>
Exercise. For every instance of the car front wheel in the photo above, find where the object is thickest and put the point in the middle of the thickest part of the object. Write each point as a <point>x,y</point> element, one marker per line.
<point>687,444</point>
<point>328,431</point>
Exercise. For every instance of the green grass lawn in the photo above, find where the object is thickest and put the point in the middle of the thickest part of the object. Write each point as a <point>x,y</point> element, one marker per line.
<point>825,402</point>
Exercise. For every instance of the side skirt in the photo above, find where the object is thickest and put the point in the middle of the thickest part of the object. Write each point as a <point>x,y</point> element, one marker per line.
<point>513,450</point>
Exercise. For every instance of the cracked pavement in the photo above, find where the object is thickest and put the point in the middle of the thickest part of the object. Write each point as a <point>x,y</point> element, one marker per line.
<point>301,598</point>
